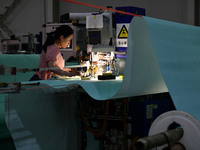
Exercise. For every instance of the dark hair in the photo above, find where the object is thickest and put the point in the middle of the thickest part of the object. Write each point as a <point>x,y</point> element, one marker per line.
<point>53,36</point>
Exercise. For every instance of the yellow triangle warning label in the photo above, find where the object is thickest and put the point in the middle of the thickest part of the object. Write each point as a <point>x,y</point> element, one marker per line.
<point>123,32</point>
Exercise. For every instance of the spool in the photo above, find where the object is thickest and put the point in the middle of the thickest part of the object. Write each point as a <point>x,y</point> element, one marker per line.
<point>189,124</point>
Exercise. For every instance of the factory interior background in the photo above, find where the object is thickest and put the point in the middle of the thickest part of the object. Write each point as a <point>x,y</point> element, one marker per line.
<point>78,113</point>
<point>29,16</point>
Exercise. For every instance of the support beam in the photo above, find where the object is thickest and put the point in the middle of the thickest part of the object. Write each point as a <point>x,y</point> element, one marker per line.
<point>51,11</point>
<point>4,15</point>
<point>191,12</point>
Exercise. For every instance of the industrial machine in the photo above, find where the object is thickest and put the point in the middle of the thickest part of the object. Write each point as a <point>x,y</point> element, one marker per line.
<point>103,59</point>
<point>103,121</point>
<point>112,124</point>
<point>24,44</point>
<point>11,46</point>
<point>117,124</point>
<point>131,123</point>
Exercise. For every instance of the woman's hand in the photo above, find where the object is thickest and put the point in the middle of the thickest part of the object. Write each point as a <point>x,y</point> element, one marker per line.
<point>64,71</point>
<point>72,73</point>
<point>67,69</point>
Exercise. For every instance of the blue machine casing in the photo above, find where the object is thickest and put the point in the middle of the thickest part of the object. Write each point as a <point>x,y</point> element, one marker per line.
<point>143,113</point>
<point>123,18</point>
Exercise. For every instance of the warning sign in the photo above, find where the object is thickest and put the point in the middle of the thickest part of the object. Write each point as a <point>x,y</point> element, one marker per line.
<point>123,32</point>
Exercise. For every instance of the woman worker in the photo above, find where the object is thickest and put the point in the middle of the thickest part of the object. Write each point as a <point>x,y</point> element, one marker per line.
<point>51,57</point>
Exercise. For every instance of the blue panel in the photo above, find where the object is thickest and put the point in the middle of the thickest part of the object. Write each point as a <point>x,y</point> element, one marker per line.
<point>143,114</point>
<point>123,18</point>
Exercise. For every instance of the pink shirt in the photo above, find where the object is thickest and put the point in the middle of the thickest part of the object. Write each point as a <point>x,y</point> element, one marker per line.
<point>53,54</point>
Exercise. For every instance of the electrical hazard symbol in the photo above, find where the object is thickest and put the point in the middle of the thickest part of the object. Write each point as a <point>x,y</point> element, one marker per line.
<point>123,32</point>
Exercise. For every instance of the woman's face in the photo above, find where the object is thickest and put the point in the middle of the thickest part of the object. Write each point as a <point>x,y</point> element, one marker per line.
<point>65,42</point>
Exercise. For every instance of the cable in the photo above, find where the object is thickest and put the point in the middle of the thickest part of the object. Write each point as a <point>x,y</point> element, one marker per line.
<point>99,7</point>
<point>104,123</point>
<point>125,125</point>
<point>132,142</point>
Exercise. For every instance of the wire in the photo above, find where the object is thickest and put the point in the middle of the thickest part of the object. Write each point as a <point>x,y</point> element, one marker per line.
<point>125,125</point>
<point>133,142</point>
<point>125,129</point>
<point>99,7</point>
<point>104,123</point>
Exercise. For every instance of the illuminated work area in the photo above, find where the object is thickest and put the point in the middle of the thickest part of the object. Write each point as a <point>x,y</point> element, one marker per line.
<point>84,75</point>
